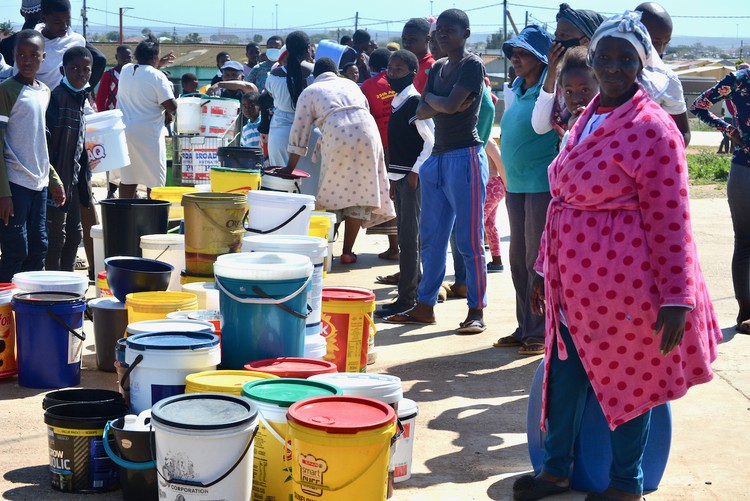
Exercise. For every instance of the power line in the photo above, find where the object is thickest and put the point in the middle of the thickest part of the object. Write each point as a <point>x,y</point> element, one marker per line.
<point>541,7</point>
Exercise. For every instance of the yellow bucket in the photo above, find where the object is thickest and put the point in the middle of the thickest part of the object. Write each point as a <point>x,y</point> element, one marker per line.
<point>189,278</point>
<point>172,194</point>
<point>229,180</point>
<point>320,226</point>
<point>156,305</point>
<point>344,456</point>
<point>229,382</point>
<point>346,323</point>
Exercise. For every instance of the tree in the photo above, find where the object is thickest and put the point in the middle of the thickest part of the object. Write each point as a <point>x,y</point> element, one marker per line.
<point>112,36</point>
<point>6,29</point>
<point>495,41</point>
<point>257,38</point>
<point>193,38</point>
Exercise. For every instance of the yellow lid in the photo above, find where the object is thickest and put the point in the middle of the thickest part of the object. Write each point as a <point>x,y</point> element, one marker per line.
<point>163,299</point>
<point>222,381</point>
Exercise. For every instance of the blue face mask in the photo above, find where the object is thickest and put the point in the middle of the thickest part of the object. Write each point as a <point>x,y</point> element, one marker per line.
<point>68,84</point>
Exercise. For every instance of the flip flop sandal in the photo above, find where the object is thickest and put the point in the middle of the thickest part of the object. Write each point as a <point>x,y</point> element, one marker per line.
<point>389,256</point>
<point>495,268</point>
<point>530,488</point>
<point>407,320</point>
<point>600,496</point>
<point>531,348</point>
<point>505,342</point>
<point>387,279</point>
<point>474,326</point>
<point>348,258</point>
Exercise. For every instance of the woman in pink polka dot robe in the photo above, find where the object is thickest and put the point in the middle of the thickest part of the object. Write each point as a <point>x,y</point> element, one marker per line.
<point>621,273</point>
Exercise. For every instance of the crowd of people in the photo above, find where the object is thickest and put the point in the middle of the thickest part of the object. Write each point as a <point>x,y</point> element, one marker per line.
<point>591,165</point>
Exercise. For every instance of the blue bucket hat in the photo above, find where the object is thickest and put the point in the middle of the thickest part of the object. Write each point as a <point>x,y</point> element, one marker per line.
<point>533,38</point>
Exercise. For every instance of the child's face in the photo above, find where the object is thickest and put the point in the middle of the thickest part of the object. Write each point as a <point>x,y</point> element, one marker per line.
<point>397,68</point>
<point>414,41</point>
<point>352,73</point>
<point>250,109</point>
<point>450,36</point>
<point>579,88</point>
<point>252,53</point>
<point>190,86</point>
<point>56,24</point>
<point>78,71</point>
<point>124,57</point>
<point>29,56</point>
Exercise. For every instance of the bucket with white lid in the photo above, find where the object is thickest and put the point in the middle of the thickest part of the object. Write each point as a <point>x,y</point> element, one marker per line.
<point>169,325</point>
<point>271,212</point>
<point>331,236</point>
<point>158,363</point>
<point>263,302</point>
<point>51,281</point>
<point>188,119</point>
<point>105,141</point>
<point>204,444</point>
<point>273,397</point>
<point>315,347</point>
<point>169,248</point>
<point>208,296</point>
<point>404,449</point>
<point>313,247</point>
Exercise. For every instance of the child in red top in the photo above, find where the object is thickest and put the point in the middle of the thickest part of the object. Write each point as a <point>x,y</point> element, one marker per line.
<point>379,93</point>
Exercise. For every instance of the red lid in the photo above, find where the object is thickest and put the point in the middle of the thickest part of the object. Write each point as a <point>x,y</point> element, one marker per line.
<point>294,367</point>
<point>347,294</point>
<point>6,287</point>
<point>341,414</point>
<point>101,274</point>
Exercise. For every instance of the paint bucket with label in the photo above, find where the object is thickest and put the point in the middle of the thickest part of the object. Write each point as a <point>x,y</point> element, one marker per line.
<point>402,456</point>
<point>229,382</point>
<point>263,300</point>
<point>218,115</point>
<point>204,446</point>
<point>105,142</point>
<point>291,367</point>
<point>49,329</point>
<point>78,462</point>
<point>158,363</point>
<point>127,441</point>
<point>347,326</point>
<point>273,397</point>
<point>271,212</point>
<point>8,362</point>
<point>110,321</point>
<point>340,447</point>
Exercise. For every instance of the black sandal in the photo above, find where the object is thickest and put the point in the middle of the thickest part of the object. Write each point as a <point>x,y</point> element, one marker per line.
<point>530,488</point>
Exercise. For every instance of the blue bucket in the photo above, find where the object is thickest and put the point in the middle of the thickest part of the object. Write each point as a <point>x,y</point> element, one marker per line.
<point>263,300</point>
<point>49,332</point>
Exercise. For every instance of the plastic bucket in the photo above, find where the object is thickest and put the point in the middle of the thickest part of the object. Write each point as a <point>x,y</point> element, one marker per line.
<point>290,367</point>
<point>106,146</point>
<point>242,158</point>
<point>8,362</point>
<point>192,278</point>
<point>188,119</point>
<point>156,305</point>
<point>110,322</point>
<point>285,183</point>
<point>81,395</point>
<point>49,329</point>
<point>271,212</point>
<point>340,448</point>
<point>273,397</point>
<point>126,220</point>
<point>320,226</point>
<point>218,115</point>
<point>315,347</point>
<point>78,462</point>
<point>204,446</point>
<point>169,325</point>
<point>173,195</point>
<point>212,317</point>
<point>158,363</point>
<point>131,450</point>
<point>51,281</point>
<point>208,296</point>
<point>229,382</point>
<point>404,449</point>
<point>226,180</point>
<point>97,235</point>
<point>313,247</point>
<point>331,236</point>
<point>347,324</point>
<point>169,248</point>
<point>341,54</point>
<point>263,299</point>
<point>102,286</point>
<point>213,227</point>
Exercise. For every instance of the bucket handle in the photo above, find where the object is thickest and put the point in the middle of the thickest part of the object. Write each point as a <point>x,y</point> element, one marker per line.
<point>132,366</point>
<point>56,318</point>
<point>162,252</point>
<point>266,299</point>
<point>372,323</point>
<point>123,463</point>
<point>217,225</point>
<point>193,483</point>
<point>265,232</point>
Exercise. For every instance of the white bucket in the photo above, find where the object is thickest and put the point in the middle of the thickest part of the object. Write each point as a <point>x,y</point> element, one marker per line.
<point>402,457</point>
<point>315,347</point>
<point>382,387</point>
<point>169,325</point>
<point>331,236</point>
<point>218,115</point>
<point>315,248</point>
<point>51,281</point>
<point>204,446</point>
<point>188,120</point>
<point>159,362</point>
<point>106,146</point>
<point>179,315</point>
<point>271,182</point>
<point>271,212</point>
<point>169,248</point>
<point>206,292</point>
<point>97,235</point>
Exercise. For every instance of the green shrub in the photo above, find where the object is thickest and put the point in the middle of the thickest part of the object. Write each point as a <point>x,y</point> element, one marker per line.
<point>707,167</point>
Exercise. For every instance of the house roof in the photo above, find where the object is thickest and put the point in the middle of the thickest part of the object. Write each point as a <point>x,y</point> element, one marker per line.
<point>197,55</point>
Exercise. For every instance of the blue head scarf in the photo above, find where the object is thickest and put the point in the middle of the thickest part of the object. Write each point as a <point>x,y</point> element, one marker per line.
<point>533,38</point>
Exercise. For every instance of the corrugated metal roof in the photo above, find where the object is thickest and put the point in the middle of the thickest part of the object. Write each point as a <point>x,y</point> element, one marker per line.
<point>195,55</point>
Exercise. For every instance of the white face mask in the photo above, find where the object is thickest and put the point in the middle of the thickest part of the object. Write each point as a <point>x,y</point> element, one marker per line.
<point>273,54</point>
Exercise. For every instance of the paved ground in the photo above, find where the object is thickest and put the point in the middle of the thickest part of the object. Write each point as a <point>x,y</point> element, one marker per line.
<point>471,430</point>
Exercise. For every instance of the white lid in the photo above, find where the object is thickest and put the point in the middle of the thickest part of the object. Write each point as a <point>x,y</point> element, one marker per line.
<point>407,408</point>
<point>97,231</point>
<point>199,287</point>
<point>386,389</point>
<point>263,266</point>
<point>178,315</point>
<point>27,279</point>
<point>298,244</point>
<point>106,303</point>
<point>169,325</point>
<point>279,198</point>
<point>165,239</point>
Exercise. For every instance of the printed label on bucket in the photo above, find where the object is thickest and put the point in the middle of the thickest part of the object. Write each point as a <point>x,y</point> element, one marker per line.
<point>75,347</point>
<point>272,467</point>
<point>312,471</point>
<point>78,462</point>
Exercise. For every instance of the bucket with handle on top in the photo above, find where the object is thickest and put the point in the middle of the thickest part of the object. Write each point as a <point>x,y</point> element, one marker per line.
<point>105,141</point>
<point>213,227</point>
<point>242,158</point>
<point>340,447</point>
<point>271,212</point>
<point>81,395</point>
<point>127,441</point>
<point>313,247</point>
<point>272,180</point>
<point>51,281</point>
<point>263,302</point>
<point>229,382</point>
<point>169,248</point>
<point>273,397</point>
<point>110,322</point>
<point>156,305</point>
<point>158,363</point>
<point>188,118</point>
<point>77,459</point>
<point>347,325</point>
<point>125,220</point>
<point>292,367</point>
<point>233,180</point>
<point>8,362</point>
<point>404,449</point>
<point>218,115</point>
<point>204,446</point>
<point>52,321</point>
<point>173,195</point>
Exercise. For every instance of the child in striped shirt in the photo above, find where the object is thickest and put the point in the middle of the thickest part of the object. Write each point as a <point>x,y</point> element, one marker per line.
<point>250,136</point>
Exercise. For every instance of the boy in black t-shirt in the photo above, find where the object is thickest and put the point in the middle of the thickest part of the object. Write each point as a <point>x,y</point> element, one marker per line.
<point>454,179</point>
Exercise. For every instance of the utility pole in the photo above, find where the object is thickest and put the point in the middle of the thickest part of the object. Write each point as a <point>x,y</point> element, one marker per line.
<point>223,15</point>
<point>526,23</point>
<point>505,37</point>
<point>84,18</point>
<point>277,18</point>
<point>356,21</point>
<point>252,21</point>
<point>122,9</point>
<point>431,2</point>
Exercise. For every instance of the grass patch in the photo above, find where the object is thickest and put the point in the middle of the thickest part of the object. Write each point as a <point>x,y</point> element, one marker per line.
<point>698,126</point>
<point>706,167</point>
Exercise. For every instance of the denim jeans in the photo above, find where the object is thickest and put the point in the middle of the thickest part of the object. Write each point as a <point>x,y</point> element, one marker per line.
<point>64,231</point>
<point>23,242</point>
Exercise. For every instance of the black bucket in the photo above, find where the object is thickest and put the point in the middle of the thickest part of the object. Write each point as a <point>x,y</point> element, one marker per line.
<point>80,396</point>
<point>131,451</point>
<point>110,322</point>
<point>241,158</point>
<point>126,220</point>
<point>77,459</point>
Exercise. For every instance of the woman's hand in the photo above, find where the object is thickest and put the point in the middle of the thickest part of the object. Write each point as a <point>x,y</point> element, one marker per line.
<point>554,56</point>
<point>671,323</point>
<point>165,60</point>
<point>736,138</point>
<point>537,296</point>
<point>6,209</point>
<point>413,179</point>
